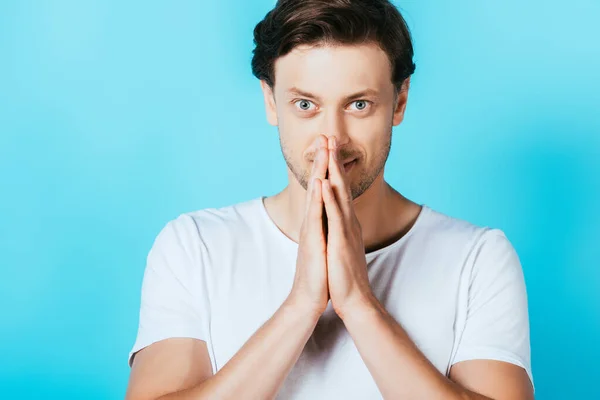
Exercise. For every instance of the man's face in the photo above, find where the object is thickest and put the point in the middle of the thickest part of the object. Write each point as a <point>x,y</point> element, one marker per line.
<point>341,91</point>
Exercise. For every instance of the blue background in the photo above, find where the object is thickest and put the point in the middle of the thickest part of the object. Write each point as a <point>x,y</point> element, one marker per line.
<point>118,116</point>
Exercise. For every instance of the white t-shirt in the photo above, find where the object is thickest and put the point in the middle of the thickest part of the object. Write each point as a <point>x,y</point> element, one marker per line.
<point>218,274</point>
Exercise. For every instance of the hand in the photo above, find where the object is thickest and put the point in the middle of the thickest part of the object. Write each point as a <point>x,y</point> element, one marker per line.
<point>310,281</point>
<point>346,262</point>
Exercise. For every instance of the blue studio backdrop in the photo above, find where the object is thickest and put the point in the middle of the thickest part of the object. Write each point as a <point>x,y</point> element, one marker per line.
<point>116,117</point>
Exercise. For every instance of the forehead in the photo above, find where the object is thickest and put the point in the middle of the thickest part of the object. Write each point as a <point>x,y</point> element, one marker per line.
<point>334,70</point>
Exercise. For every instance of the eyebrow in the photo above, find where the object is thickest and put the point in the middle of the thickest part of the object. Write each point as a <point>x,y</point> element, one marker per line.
<point>294,91</point>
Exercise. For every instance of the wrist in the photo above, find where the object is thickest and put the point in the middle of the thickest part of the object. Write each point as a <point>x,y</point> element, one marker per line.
<point>303,308</point>
<point>362,306</point>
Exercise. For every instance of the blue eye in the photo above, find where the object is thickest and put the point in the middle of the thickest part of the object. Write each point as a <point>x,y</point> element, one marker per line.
<point>304,104</point>
<point>364,104</point>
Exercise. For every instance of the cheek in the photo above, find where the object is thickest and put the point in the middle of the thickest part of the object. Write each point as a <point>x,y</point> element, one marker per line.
<point>298,139</point>
<point>376,148</point>
<point>295,149</point>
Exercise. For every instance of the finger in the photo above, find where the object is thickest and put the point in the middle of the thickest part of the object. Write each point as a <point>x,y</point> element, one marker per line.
<point>337,178</point>
<point>315,210</point>
<point>317,168</point>
<point>322,161</point>
<point>308,201</point>
<point>317,145</point>
<point>334,213</point>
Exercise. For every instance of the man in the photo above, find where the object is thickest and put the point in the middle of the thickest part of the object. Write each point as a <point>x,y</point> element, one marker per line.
<point>338,287</point>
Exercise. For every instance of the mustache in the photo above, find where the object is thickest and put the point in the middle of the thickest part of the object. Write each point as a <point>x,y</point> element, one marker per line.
<point>344,157</point>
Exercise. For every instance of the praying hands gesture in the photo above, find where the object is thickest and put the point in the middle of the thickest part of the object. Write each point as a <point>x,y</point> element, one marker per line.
<point>331,265</point>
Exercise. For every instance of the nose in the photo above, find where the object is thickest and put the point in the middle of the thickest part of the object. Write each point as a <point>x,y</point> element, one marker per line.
<point>334,125</point>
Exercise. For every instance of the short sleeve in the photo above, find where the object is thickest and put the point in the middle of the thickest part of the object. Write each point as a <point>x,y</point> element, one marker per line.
<point>496,321</point>
<point>173,296</point>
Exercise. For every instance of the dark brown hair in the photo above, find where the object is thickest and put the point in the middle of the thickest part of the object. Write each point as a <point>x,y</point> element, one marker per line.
<point>315,22</point>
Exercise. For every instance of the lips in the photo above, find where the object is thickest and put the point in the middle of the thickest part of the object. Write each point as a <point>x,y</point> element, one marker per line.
<point>347,165</point>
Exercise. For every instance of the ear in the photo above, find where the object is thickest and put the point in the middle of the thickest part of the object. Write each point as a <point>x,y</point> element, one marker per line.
<point>401,102</point>
<point>270,106</point>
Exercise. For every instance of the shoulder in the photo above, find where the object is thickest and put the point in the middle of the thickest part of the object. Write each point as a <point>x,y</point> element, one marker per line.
<point>452,234</point>
<point>194,230</point>
<point>441,226</point>
<point>215,218</point>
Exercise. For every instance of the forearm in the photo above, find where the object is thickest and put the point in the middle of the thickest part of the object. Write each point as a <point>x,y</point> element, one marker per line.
<point>259,368</point>
<point>396,364</point>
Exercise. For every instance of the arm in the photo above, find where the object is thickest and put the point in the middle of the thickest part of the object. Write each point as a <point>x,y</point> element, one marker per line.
<point>492,356</point>
<point>496,326</point>
<point>402,371</point>
<point>180,368</point>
